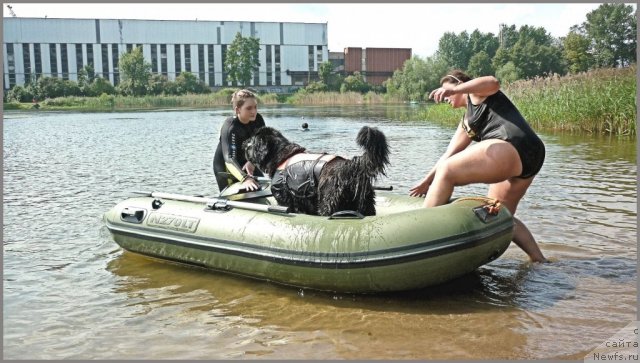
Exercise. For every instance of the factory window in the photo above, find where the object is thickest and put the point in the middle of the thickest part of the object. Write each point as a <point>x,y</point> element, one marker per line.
<point>90,55</point>
<point>65,61</point>
<point>187,57</point>
<point>79,63</point>
<point>163,59</point>
<point>212,75</point>
<point>129,48</point>
<point>54,60</point>
<point>12,66</point>
<point>201,61</point>
<point>37,57</point>
<point>26,61</point>
<point>311,57</point>
<point>224,58</point>
<point>154,58</point>
<point>105,61</point>
<point>319,55</point>
<point>114,58</point>
<point>177,59</point>
<point>277,62</point>
<point>269,65</point>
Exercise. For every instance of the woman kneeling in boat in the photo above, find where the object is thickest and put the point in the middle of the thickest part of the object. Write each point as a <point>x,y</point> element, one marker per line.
<point>229,162</point>
<point>508,153</point>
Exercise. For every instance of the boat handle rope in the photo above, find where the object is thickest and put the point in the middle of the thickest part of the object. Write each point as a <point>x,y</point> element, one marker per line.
<point>492,207</point>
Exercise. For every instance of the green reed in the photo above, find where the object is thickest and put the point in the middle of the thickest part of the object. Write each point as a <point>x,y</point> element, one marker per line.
<point>597,102</point>
<point>337,98</point>
<point>109,102</point>
<point>600,102</point>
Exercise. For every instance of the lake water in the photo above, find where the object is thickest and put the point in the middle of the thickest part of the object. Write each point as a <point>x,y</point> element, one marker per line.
<point>71,293</point>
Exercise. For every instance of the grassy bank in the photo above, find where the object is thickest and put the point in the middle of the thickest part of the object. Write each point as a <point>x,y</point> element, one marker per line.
<point>599,102</point>
<point>122,103</point>
<point>337,98</point>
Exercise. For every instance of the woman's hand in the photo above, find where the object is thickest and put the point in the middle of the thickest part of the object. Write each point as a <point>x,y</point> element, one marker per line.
<point>250,184</point>
<point>440,94</point>
<point>420,189</point>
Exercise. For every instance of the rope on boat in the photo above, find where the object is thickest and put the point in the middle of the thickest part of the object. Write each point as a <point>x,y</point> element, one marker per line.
<point>492,205</point>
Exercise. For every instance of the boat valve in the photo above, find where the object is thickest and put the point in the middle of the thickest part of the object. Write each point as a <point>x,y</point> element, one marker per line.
<point>157,203</point>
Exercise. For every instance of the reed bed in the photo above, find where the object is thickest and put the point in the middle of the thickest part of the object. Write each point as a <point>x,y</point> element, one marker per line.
<point>600,102</point>
<point>109,102</point>
<point>597,102</point>
<point>337,98</point>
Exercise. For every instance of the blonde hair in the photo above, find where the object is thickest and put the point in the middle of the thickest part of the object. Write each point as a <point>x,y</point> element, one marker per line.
<point>239,97</point>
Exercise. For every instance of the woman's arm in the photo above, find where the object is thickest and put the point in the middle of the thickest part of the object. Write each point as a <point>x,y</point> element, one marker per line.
<point>478,89</point>
<point>229,150</point>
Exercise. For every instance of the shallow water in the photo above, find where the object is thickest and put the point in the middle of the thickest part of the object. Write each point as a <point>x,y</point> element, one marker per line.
<point>71,293</point>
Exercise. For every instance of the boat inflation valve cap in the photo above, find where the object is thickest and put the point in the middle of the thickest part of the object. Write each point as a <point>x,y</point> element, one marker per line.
<point>157,203</point>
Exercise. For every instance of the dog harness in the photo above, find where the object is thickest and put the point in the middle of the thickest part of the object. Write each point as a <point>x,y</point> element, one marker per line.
<point>299,175</point>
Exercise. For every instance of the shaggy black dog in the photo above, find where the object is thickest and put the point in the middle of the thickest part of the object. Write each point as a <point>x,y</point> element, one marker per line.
<point>320,184</point>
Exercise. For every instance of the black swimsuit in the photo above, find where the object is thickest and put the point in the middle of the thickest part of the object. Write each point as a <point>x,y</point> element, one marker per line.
<point>498,118</point>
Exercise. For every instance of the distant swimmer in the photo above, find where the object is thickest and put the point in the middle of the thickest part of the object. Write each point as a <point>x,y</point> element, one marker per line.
<point>305,127</point>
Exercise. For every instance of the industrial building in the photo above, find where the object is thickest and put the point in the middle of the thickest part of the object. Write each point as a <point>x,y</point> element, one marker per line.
<point>375,64</point>
<point>290,53</point>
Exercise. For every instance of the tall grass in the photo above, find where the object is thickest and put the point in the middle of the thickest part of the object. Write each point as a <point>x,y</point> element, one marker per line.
<point>337,98</point>
<point>108,102</point>
<point>598,102</point>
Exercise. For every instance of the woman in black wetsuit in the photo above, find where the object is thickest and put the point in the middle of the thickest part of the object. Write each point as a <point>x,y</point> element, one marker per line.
<point>508,153</point>
<point>229,162</point>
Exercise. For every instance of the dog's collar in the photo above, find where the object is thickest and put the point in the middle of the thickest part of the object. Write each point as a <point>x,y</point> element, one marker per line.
<point>304,156</point>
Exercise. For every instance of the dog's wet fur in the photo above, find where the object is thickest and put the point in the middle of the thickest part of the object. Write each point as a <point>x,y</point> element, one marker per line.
<point>344,184</point>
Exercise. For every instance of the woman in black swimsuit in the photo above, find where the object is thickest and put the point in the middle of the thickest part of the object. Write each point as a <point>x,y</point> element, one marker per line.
<point>507,153</point>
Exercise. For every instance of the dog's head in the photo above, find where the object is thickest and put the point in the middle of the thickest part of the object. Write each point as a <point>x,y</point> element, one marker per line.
<point>267,148</point>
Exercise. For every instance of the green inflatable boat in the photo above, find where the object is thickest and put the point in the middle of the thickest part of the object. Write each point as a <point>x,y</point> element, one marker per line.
<point>403,247</point>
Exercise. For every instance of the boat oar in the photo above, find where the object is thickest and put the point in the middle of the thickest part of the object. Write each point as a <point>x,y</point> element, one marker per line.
<point>379,187</point>
<point>218,203</point>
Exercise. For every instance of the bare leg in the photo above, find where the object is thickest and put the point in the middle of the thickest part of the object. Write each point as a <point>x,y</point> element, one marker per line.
<point>489,161</point>
<point>509,193</point>
<point>523,238</point>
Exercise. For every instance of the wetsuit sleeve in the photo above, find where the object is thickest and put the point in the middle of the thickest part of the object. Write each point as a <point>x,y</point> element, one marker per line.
<point>229,140</point>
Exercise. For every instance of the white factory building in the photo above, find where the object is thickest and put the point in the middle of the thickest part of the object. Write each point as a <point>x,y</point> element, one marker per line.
<point>290,53</point>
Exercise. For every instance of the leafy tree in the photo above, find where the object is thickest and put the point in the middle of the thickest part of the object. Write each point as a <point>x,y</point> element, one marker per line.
<point>508,36</point>
<point>455,49</point>
<point>187,82</point>
<point>242,59</point>
<point>576,52</point>
<point>100,86</point>
<point>417,78</point>
<point>324,72</point>
<point>612,29</point>
<point>483,42</point>
<point>19,94</point>
<point>86,76</point>
<point>480,65</point>
<point>354,83</point>
<point>315,87</point>
<point>534,53</point>
<point>135,72</point>
<point>157,84</point>
<point>508,73</point>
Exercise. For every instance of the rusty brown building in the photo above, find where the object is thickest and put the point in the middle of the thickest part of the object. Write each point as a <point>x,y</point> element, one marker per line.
<point>375,64</point>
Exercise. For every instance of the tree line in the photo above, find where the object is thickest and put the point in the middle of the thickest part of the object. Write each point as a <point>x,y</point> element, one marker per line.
<point>606,39</point>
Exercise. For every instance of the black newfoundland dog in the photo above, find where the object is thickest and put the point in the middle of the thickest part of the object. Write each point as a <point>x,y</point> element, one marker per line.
<point>320,184</point>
